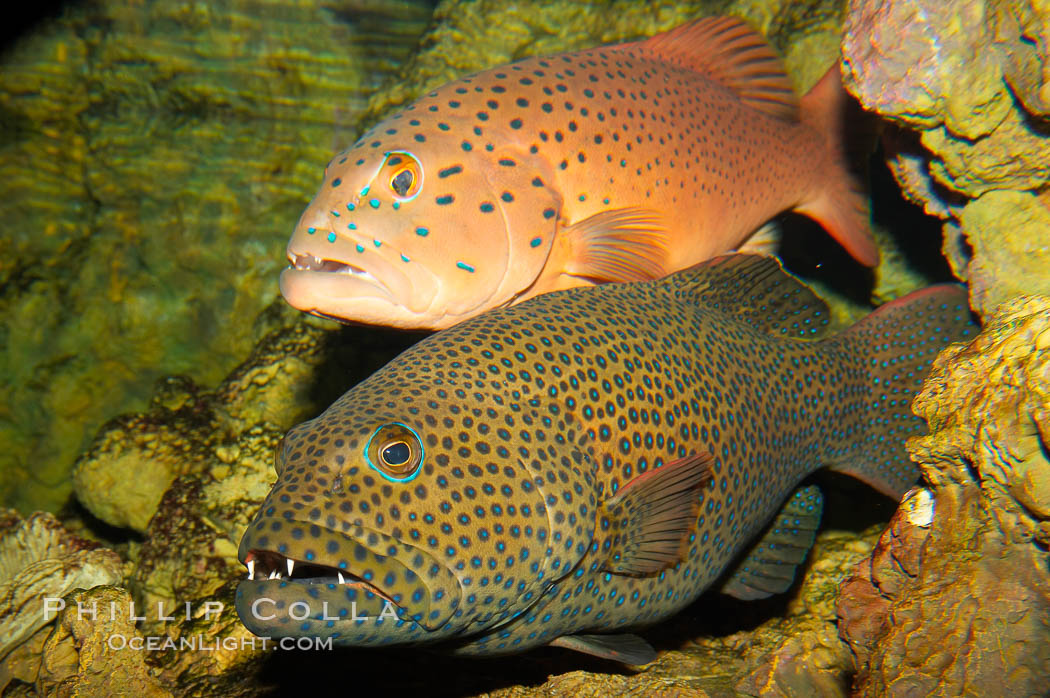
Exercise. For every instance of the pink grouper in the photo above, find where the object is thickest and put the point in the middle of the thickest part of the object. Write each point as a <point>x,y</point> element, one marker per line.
<point>618,163</point>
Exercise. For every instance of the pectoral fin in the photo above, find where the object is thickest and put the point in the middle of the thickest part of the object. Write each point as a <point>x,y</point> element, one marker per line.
<point>646,526</point>
<point>624,244</point>
<point>770,565</point>
<point>629,649</point>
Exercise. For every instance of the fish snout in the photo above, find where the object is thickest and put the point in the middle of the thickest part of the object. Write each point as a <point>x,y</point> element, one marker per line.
<point>353,277</point>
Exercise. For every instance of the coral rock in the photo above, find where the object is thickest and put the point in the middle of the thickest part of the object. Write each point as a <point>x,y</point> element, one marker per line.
<point>79,657</point>
<point>155,157</point>
<point>971,78</point>
<point>39,559</point>
<point>190,430</point>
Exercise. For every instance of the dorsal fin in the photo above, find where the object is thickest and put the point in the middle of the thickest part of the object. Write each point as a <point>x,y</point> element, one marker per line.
<point>734,55</point>
<point>757,290</point>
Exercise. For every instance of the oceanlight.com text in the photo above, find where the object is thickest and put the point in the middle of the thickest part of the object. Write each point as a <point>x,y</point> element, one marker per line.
<point>199,643</point>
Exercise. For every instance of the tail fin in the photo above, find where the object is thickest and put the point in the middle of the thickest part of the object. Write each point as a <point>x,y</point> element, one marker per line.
<point>840,204</point>
<point>899,342</point>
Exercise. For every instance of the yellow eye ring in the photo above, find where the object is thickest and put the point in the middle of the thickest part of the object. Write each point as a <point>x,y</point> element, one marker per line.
<point>405,179</point>
<point>395,451</point>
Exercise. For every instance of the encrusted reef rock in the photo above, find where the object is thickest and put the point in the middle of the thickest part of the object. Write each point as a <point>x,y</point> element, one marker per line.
<point>955,600</point>
<point>188,430</point>
<point>40,559</point>
<point>155,157</point>
<point>968,80</point>
<point>190,472</point>
<point>90,651</point>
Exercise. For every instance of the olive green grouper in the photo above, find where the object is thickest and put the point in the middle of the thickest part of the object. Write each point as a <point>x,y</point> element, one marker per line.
<point>618,163</point>
<point>586,462</point>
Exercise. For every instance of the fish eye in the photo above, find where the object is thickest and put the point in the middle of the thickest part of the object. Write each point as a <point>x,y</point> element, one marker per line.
<point>406,175</point>
<point>402,182</point>
<point>395,451</point>
<point>395,454</point>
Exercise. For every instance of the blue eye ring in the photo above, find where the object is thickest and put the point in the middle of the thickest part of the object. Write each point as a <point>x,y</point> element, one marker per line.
<point>395,451</point>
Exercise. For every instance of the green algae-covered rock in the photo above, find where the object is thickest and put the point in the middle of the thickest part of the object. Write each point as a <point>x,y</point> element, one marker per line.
<point>188,430</point>
<point>970,78</point>
<point>155,157</point>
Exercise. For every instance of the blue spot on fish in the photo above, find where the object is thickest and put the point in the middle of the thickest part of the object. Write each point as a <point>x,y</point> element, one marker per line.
<point>465,266</point>
<point>422,232</point>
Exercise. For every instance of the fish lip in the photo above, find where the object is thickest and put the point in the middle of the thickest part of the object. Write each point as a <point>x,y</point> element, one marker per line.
<point>349,300</point>
<point>269,561</point>
<point>310,263</point>
<point>443,586</point>
<point>315,282</point>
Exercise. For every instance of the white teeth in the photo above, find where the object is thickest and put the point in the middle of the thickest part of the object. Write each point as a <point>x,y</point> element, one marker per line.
<point>291,564</point>
<point>251,569</point>
<point>273,574</point>
<point>341,579</point>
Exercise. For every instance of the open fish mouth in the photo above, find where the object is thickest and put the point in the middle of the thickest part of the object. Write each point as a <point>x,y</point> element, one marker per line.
<point>309,561</point>
<point>308,262</point>
<point>266,565</point>
<point>375,290</point>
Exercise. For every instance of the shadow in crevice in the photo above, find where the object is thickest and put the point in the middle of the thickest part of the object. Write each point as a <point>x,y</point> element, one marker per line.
<point>808,251</point>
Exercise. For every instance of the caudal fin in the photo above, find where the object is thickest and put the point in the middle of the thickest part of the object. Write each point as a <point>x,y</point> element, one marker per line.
<point>840,203</point>
<point>899,342</point>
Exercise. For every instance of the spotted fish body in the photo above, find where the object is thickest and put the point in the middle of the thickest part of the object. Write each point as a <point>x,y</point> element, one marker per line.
<point>588,461</point>
<point>617,163</point>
